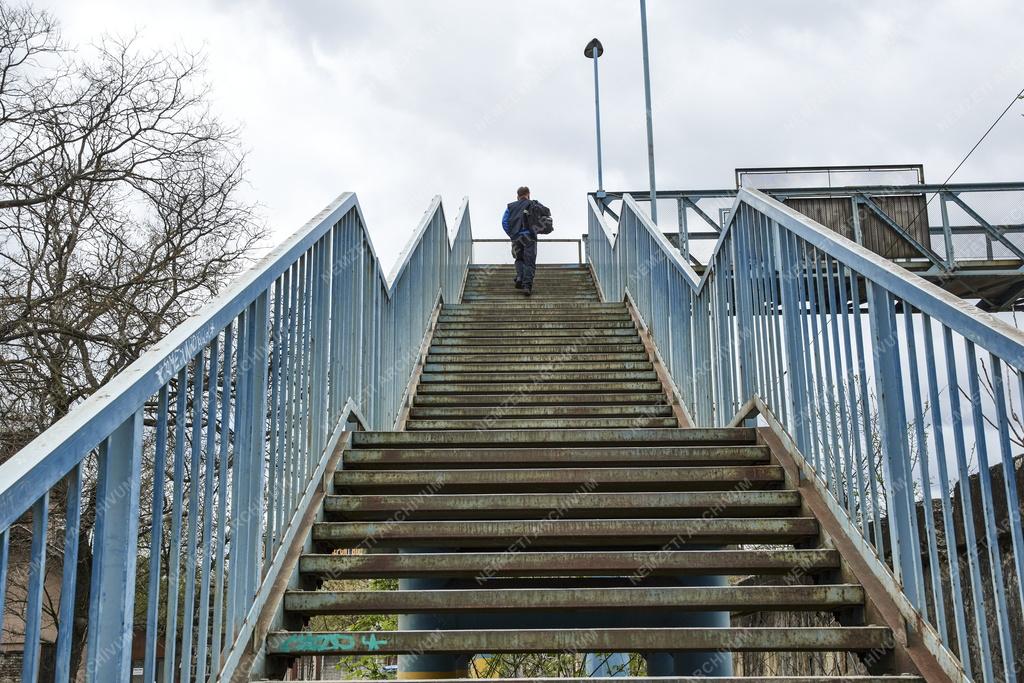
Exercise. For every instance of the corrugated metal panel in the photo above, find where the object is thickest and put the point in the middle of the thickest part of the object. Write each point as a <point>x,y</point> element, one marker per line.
<point>836,213</point>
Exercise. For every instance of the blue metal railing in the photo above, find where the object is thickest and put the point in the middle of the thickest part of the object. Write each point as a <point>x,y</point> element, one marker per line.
<point>218,435</point>
<point>900,410</point>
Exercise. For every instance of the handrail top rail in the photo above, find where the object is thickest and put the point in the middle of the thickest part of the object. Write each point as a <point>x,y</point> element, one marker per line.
<point>37,466</point>
<point>836,190</point>
<point>985,329</point>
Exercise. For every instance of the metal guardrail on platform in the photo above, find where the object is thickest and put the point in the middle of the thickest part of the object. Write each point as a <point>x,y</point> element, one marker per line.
<point>231,419</point>
<point>900,410</point>
<point>853,207</point>
<point>545,240</point>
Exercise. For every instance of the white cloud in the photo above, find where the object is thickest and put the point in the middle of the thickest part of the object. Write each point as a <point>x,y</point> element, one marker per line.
<point>403,99</point>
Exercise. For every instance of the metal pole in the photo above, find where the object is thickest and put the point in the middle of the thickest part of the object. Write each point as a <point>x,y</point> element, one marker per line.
<point>594,50</point>
<point>650,120</point>
<point>597,118</point>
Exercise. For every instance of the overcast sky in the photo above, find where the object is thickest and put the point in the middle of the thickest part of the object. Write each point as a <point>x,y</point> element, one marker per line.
<point>399,100</point>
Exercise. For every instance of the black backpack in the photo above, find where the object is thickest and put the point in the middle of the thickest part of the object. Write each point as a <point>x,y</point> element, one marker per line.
<point>538,219</point>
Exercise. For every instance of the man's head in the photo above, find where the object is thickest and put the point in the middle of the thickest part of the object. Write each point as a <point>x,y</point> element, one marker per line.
<point>523,192</point>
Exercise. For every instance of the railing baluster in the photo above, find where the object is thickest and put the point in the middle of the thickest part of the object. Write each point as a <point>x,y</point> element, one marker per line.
<point>209,468</point>
<point>177,495</point>
<point>115,548</point>
<point>155,542</point>
<point>925,470</point>
<point>946,496</point>
<point>69,573</point>
<point>34,598</point>
<point>195,472</point>
<point>216,644</point>
<point>988,509</point>
<point>967,498</point>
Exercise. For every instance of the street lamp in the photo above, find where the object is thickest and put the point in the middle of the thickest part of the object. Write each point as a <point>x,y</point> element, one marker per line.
<point>594,50</point>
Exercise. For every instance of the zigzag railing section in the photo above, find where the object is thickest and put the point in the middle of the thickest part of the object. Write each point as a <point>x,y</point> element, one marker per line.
<point>196,461</point>
<point>899,395</point>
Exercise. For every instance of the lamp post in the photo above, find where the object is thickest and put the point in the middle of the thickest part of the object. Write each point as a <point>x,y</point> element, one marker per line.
<point>594,50</point>
<point>650,119</point>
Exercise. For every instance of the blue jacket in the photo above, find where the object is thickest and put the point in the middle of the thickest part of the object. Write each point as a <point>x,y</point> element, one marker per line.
<point>514,220</point>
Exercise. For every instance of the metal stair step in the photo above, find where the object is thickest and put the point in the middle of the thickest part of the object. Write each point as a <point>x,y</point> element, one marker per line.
<point>531,388</point>
<point>515,376</point>
<point>552,479</point>
<point>713,436</point>
<point>528,316</point>
<point>530,410</point>
<point>522,359</point>
<point>622,397</point>
<point>752,639</point>
<point>474,458</point>
<point>592,332</point>
<point>537,368</point>
<point>660,562</point>
<point>534,306</point>
<point>466,348</point>
<point>605,533</point>
<point>525,326</point>
<point>585,505</point>
<point>629,422</point>
<point>531,306</point>
<point>682,598</point>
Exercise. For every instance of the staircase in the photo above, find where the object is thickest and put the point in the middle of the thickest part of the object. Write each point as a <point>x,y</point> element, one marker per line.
<point>545,488</point>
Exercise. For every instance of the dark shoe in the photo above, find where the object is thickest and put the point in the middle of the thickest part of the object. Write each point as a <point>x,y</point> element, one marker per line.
<point>519,285</point>
<point>527,291</point>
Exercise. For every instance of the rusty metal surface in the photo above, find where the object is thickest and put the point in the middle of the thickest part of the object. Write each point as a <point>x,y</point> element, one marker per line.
<point>530,388</point>
<point>568,563</point>
<point>567,532</point>
<point>535,505</point>
<point>682,598</point>
<point>420,458</point>
<point>623,395</point>
<point>467,412</point>
<point>627,422</point>
<point>582,640</point>
<point>711,436</point>
<point>569,479</point>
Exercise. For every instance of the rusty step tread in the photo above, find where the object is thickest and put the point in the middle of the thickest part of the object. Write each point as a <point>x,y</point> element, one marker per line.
<point>552,376</point>
<point>626,422</point>
<point>549,350</point>
<point>604,533</point>
<point>696,477</point>
<point>516,326</point>
<point>583,334</point>
<point>526,315</point>
<point>534,505</point>
<point>528,410</point>
<point>579,359</point>
<point>648,456</point>
<point>653,397</point>
<point>639,563</point>
<point>603,437</point>
<point>458,366</point>
<point>684,598</point>
<point>751,639</point>
<point>532,387</point>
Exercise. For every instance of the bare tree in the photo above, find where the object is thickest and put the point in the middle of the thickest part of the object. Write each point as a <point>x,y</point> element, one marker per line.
<point>120,212</point>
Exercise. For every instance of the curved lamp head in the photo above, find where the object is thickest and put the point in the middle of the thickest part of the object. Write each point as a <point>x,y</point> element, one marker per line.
<point>593,49</point>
